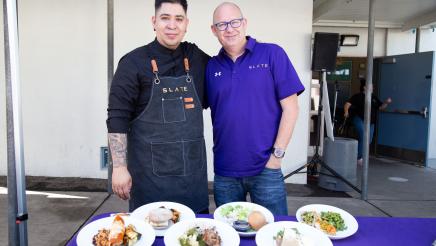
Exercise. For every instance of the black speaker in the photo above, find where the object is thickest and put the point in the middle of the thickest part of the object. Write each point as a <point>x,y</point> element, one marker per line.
<point>325,50</point>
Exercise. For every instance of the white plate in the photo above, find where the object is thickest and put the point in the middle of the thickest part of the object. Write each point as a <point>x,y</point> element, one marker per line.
<point>84,238</point>
<point>252,206</point>
<point>229,236</point>
<point>349,220</point>
<point>265,236</point>
<point>142,212</point>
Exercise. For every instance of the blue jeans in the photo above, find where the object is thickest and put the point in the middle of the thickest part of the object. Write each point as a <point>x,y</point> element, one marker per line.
<point>358,124</point>
<point>266,189</point>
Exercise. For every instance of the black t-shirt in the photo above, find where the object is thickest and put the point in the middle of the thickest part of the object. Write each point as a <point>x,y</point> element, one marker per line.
<point>358,106</point>
<point>131,86</point>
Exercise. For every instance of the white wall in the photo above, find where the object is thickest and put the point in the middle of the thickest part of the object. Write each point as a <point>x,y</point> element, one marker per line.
<point>400,42</point>
<point>63,67</point>
<point>63,60</point>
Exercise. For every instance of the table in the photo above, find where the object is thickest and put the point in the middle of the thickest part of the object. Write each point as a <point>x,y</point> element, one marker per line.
<point>372,231</point>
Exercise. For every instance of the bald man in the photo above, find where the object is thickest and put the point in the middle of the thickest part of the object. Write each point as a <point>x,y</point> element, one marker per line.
<point>252,90</point>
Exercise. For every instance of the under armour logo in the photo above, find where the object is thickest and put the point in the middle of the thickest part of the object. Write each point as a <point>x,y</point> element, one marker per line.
<point>217,74</point>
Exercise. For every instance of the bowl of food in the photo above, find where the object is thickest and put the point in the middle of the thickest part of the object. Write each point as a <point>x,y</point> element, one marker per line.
<point>245,217</point>
<point>201,231</point>
<point>117,230</point>
<point>336,223</point>
<point>162,215</point>
<point>291,233</point>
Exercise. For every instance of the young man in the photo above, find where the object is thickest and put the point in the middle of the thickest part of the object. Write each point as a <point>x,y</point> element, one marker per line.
<point>357,103</point>
<point>155,121</point>
<point>252,91</point>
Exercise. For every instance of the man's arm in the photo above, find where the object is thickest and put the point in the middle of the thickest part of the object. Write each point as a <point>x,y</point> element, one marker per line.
<point>287,123</point>
<point>347,109</point>
<point>385,103</point>
<point>121,179</point>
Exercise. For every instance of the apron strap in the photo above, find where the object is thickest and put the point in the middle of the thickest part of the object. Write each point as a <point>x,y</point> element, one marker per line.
<point>155,71</point>
<point>188,76</point>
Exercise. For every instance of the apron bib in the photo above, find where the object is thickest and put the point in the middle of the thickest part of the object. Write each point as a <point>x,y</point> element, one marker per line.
<point>166,148</point>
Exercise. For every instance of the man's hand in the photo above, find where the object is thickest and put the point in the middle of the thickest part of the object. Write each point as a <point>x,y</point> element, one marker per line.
<point>121,182</point>
<point>388,100</point>
<point>346,114</point>
<point>274,163</point>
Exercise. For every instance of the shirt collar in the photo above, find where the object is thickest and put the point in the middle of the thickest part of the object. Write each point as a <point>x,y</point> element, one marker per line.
<point>251,42</point>
<point>159,49</point>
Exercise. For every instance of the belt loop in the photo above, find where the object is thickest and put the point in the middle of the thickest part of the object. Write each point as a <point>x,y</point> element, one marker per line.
<point>188,76</point>
<point>155,71</point>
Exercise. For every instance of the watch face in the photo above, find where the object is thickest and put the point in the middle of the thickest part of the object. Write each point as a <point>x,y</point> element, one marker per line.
<point>279,153</point>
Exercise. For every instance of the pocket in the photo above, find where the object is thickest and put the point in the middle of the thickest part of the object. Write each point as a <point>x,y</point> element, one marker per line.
<point>173,110</point>
<point>194,156</point>
<point>167,159</point>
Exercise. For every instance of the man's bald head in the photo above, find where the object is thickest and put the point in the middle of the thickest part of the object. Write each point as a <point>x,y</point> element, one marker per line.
<point>229,26</point>
<point>225,7</point>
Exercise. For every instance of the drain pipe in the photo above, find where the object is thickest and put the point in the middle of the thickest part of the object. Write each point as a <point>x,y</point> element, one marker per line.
<point>17,206</point>
<point>110,75</point>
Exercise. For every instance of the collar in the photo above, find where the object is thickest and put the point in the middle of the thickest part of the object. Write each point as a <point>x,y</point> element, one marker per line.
<point>251,42</point>
<point>159,49</point>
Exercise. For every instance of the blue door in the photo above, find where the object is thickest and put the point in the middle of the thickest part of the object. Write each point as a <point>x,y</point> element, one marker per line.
<point>403,128</point>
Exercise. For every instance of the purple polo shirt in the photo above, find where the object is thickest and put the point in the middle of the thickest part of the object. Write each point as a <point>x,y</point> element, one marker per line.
<point>244,97</point>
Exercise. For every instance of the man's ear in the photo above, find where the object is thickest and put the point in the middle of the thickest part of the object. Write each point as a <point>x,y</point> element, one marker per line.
<point>153,22</point>
<point>212,28</point>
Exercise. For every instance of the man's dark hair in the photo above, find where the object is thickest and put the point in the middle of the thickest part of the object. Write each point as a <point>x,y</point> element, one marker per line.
<point>158,3</point>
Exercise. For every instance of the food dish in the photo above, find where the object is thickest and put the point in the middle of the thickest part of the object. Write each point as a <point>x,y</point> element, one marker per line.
<point>184,229</point>
<point>308,235</point>
<point>245,217</point>
<point>115,229</point>
<point>342,229</point>
<point>143,213</point>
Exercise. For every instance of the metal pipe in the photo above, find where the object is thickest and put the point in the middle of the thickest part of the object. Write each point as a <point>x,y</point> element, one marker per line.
<point>418,39</point>
<point>368,94</point>
<point>110,74</point>
<point>17,207</point>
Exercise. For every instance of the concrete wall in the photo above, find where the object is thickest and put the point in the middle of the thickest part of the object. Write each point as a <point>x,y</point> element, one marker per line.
<point>63,69</point>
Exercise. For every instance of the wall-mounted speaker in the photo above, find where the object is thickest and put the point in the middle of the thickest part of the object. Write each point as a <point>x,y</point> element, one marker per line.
<point>325,50</point>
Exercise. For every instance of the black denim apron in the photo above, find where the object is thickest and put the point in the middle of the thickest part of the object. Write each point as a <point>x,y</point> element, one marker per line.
<point>166,148</point>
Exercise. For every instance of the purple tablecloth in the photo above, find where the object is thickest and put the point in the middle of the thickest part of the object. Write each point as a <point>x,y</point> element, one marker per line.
<point>372,231</point>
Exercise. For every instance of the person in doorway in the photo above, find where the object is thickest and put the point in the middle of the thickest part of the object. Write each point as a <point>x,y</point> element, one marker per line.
<point>155,122</point>
<point>357,104</point>
<point>252,90</point>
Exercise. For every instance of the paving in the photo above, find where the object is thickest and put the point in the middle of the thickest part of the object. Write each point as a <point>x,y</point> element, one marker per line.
<point>58,207</point>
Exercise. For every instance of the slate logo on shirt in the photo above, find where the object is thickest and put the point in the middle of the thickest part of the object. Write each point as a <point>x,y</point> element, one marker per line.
<point>258,66</point>
<point>218,74</point>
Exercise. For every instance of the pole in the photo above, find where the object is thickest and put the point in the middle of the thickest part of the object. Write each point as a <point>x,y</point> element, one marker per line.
<point>17,208</point>
<point>110,73</point>
<point>418,39</point>
<point>368,94</point>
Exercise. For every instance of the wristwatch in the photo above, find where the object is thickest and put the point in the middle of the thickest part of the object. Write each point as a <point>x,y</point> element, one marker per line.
<point>278,153</point>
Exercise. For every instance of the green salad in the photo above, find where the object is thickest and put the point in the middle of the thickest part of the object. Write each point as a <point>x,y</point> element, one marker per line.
<point>237,212</point>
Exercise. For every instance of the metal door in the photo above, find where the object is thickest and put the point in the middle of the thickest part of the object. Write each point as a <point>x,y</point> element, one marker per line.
<point>403,128</point>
